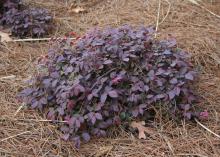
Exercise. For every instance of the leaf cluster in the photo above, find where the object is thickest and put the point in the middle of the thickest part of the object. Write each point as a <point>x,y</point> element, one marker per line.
<point>110,76</point>
<point>25,21</point>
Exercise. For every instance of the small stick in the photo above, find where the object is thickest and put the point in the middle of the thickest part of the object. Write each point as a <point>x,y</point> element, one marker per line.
<point>207,128</point>
<point>199,155</point>
<point>39,39</point>
<point>10,137</point>
<point>30,39</point>
<point>167,142</point>
<point>196,3</point>
<point>158,17</point>
<point>38,120</point>
<point>168,11</point>
<point>8,77</point>
<point>18,110</point>
<point>218,16</point>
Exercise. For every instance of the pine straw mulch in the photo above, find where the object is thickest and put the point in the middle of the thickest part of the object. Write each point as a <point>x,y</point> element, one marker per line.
<point>25,133</point>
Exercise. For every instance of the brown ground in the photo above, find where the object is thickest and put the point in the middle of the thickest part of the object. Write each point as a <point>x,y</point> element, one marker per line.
<point>196,30</point>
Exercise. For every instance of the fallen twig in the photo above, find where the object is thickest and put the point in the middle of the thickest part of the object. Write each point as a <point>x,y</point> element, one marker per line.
<point>10,137</point>
<point>39,39</point>
<point>196,2</point>
<point>168,143</point>
<point>168,11</point>
<point>158,17</point>
<point>218,16</point>
<point>36,120</point>
<point>18,110</point>
<point>199,155</point>
<point>207,128</point>
<point>7,77</point>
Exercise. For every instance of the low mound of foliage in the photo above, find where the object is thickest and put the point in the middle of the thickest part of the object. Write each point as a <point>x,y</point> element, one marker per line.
<point>6,5</point>
<point>23,21</point>
<point>108,77</point>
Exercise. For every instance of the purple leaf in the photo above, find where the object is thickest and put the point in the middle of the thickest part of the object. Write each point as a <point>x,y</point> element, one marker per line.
<point>177,90</point>
<point>191,98</point>
<point>183,70</point>
<point>60,58</point>
<point>76,142</point>
<point>115,107</point>
<point>86,136</point>
<point>65,137</point>
<point>60,110</point>
<point>47,82</point>
<point>93,119</point>
<point>173,64</point>
<point>55,75</point>
<point>64,128</point>
<point>98,116</point>
<point>125,59</point>
<point>160,71</point>
<point>172,94</point>
<point>189,76</point>
<point>135,112</point>
<point>43,100</point>
<point>160,96</point>
<point>102,133</point>
<point>173,81</point>
<point>81,119</point>
<point>188,115</point>
<point>143,106</point>
<point>98,106</point>
<point>27,91</point>
<point>167,52</point>
<point>35,104</point>
<point>159,82</point>
<point>141,111</point>
<point>70,105</point>
<point>117,120</point>
<point>73,60</point>
<point>90,96</point>
<point>54,83</point>
<point>150,96</point>
<point>50,115</point>
<point>77,122</point>
<point>113,94</point>
<point>186,107</point>
<point>146,88</point>
<point>71,121</point>
<point>171,42</point>
<point>78,89</point>
<point>69,69</point>
<point>95,93</point>
<point>108,62</point>
<point>103,97</point>
<point>151,73</point>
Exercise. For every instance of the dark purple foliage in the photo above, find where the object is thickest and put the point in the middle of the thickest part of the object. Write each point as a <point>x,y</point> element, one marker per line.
<point>25,22</point>
<point>6,5</point>
<point>111,76</point>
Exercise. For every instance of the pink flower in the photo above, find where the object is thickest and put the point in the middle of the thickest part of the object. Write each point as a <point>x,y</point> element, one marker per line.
<point>117,80</point>
<point>204,114</point>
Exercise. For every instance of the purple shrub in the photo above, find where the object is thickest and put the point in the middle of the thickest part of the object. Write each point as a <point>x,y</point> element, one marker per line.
<point>24,21</point>
<point>7,5</point>
<point>110,76</point>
